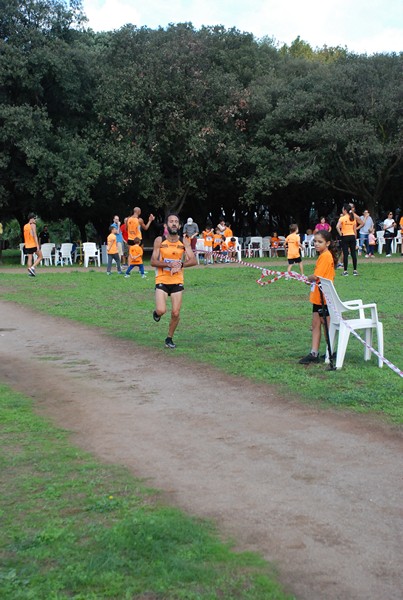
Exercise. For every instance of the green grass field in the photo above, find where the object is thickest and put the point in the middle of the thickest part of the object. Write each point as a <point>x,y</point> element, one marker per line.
<point>244,329</point>
<point>73,528</point>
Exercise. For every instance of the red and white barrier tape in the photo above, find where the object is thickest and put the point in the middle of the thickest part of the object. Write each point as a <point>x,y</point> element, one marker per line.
<point>292,275</point>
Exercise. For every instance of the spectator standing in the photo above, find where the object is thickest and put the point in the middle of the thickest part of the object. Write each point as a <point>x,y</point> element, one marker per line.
<point>135,224</point>
<point>367,224</point>
<point>347,229</point>
<point>31,244</point>
<point>112,251</point>
<point>221,226</point>
<point>191,230</point>
<point>119,236</point>
<point>44,236</point>
<point>389,226</point>
<point>228,231</point>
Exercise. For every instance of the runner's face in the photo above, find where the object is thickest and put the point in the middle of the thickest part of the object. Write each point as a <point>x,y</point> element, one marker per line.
<point>173,225</point>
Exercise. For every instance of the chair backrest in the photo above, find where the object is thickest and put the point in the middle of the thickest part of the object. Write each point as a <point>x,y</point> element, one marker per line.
<point>47,250</point>
<point>90,248</point>
<point>66,249</point>
<point>200,245</point>
<point>334,304</point>
<point>256,240</point>
<point>266,241</point>
<point>380,234</point>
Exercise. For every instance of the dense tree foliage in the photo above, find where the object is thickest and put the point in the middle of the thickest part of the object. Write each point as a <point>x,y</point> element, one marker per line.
<point>200,121</point>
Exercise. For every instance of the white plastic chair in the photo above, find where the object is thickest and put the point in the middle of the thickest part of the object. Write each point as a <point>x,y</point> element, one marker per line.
<point>396,241</point>
<point>255,246</point>
<point>238,248</point>
<point>199,249</point>
<point>266,245</point>
<point>344,326</point>
<point>47,253</point>
<point>381,240</point>
<point>91,252</point>
<point>65,254</point>
<point>23,255</point>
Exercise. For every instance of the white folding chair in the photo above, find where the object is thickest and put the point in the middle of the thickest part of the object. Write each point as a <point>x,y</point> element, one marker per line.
<point>396,241</point>
<point>199,249</point>
<point>381,240</point>
<point>344,326</point>
<point>65,254</point>
<point>266,245</point>
<point>47,253</point>
<point>91,252</point>
<point>23,255</point>
<point>255,246</point>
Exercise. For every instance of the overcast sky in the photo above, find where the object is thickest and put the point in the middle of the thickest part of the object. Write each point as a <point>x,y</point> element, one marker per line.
<point>363,26</point>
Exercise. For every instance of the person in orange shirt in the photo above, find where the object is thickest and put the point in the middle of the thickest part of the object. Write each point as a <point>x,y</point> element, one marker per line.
<point>170,256</point>
<point>112,251</point>
<point>347,229</point>
<point>294,247</point>
<point>325,267</point>
<point>274,242</point>
<point>208,236</point>
<point>135,224</point>
<point>136,258</point>
<point>232,247</point>
<point>31,244</point>
<point>224,249</point>
<point>228,231</point>
<point>217,239</point>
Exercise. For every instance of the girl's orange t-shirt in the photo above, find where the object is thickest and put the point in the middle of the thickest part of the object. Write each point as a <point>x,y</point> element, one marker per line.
<point>324,268</point>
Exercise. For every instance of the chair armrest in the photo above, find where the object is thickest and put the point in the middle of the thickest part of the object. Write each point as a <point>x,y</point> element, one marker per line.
<point>353,304</point>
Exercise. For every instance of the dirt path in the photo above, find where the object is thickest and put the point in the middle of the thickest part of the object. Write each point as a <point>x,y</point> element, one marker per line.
<point>317,493</point>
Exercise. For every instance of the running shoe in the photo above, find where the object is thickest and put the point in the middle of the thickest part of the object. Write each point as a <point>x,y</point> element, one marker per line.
<point>169,343</point>
<point>310,358</point>
<point>127,276</point>
<point>31,272</point>
<point>156,317</point>
<point>355,273</point>
<point>345,274</point>
<point>388,255</point>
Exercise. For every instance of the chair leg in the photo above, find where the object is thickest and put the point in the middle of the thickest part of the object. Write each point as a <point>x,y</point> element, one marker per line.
<point>368,339</point>
<point>379,335</point>
<point>344,335</point>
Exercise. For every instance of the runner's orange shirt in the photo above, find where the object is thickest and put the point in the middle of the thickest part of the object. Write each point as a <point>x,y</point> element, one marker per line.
<point>169,252</point>
<point>29,239</point>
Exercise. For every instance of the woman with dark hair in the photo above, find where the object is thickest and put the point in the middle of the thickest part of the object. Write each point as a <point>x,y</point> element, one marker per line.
<point>347,229</point>
<point>389,232</point>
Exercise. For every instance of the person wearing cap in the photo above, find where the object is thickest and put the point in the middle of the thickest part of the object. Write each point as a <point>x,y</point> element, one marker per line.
<point>191,231</point>
<point>31,244</point>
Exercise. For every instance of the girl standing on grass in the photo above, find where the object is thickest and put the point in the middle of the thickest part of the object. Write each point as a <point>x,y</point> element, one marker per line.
<point>325,267</point>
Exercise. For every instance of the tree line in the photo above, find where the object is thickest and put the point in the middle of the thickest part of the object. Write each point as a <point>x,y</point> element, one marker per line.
<point>204,122</point>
